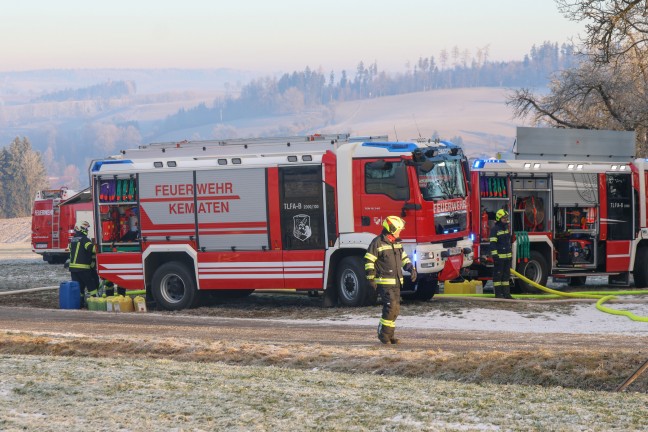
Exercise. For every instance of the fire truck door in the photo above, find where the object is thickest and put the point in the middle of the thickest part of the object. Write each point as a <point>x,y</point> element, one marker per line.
<point>303,226</point>
<point>620,221</point>
<point>385,191</point>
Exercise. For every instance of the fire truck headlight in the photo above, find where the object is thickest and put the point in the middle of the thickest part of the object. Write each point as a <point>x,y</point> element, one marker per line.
<point>427,255</point>
<point>467,250</point>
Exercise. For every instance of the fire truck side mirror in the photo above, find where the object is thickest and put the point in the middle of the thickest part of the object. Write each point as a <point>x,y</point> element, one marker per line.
<point>427,166</point>
<point>466,169</point>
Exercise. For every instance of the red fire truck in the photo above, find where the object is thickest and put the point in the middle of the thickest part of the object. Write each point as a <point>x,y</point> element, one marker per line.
<point>207,217</point>
<point>578,207</point>
<point>54,213</point>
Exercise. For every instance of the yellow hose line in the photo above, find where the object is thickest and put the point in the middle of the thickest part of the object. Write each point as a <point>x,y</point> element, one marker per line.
<point>633,317</point>
<point>599,304</point>
<point>552,291</point>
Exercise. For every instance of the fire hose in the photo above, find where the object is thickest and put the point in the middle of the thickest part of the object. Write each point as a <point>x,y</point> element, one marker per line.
<point>601,297</point>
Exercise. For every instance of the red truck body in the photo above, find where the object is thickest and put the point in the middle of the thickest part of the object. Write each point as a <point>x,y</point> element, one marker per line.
<point>54,215</point>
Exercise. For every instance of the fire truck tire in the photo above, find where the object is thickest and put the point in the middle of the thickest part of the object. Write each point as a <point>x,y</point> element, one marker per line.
<point>351,283</point>
<point>640,272</point>
<point>173,287</point>
<point>426,288</point>
<point>55,259</point>
<point>535,269</point>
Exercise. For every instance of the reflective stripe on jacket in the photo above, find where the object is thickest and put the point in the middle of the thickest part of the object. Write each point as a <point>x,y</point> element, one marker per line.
<point>500,241</point>
<point>384,261</point>
<point>81,252</point>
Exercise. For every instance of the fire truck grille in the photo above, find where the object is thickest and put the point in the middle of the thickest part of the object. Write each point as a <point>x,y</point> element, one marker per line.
<point>449,223</point>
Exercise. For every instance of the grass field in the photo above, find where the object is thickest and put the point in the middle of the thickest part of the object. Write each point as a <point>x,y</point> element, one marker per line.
<point>65,394</point>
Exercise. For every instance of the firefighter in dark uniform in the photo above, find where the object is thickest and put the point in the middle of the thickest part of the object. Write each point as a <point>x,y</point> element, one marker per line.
<point>500,240</point>
<point>82,251</point>
<point>384,263</point>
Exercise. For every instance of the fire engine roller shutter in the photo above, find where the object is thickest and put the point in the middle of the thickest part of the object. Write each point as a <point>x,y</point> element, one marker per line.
<point>167,201</point>
<point>575,189</point>
<point>302,207</point>
<point>232,209</point>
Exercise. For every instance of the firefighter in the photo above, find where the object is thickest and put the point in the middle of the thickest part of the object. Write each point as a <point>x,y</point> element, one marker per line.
<point>500,240</point>
<point>384,263</point>
<point>82,252</point>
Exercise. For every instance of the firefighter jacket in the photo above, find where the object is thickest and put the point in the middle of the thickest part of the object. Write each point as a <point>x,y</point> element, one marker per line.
<point>500,241</point>
<point>82,252</point>
<point>385,260</point>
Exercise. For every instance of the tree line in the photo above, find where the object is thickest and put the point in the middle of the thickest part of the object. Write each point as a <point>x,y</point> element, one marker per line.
<point>108,90</point>
<point>300,90</point>
<point>22,174</point>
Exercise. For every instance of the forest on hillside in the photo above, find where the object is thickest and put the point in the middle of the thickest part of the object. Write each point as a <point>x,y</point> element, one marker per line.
<point>294,92</point>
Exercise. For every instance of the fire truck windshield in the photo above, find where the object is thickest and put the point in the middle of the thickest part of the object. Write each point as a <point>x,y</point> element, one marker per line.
<point>444,181</point>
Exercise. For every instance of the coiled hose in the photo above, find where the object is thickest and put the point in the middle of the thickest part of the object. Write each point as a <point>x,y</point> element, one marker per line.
<point>602,298</point>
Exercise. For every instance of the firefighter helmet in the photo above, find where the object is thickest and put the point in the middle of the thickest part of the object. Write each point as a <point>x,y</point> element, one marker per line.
<point>393,223</point>
<point>82,226</point>
<point>501,213</point>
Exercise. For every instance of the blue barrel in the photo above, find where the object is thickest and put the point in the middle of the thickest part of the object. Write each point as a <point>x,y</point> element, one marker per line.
<point>69,295</point>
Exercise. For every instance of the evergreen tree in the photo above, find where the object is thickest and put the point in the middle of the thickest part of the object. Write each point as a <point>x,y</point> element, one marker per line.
<point>23,175</point>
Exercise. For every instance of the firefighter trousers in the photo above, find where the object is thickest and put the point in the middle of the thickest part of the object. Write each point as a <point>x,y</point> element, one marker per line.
<point>501,276</point>
<point>87,281</point>
<point>390,295</point>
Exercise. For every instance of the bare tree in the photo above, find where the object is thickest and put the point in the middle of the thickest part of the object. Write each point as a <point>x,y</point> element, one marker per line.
<point>614,27</point>
<point>608,88</point>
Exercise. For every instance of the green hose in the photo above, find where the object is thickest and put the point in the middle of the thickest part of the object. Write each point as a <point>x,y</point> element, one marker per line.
<point>599,304</point>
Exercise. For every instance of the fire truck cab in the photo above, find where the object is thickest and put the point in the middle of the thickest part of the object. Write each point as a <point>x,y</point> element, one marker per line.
<point>570,218</point>
<point>54,213</point>
<point>200,218</point>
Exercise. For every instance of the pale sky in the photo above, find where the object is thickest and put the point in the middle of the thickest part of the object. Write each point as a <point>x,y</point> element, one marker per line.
<point>264,35</point>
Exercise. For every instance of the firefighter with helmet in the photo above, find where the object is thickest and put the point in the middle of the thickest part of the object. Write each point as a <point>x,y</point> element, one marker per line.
<point>82,251</point>
<point>384,263</point>
<point>500,241</point>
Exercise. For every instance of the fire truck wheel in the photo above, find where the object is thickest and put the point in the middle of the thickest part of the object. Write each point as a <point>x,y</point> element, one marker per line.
<point>640,272</point>
<point>173,287</point>
<point>535,269</point>
<point>351,282</point>
<point>426,287</point>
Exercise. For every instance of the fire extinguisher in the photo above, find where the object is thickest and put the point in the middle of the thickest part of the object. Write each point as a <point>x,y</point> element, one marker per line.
<point>485,234</point>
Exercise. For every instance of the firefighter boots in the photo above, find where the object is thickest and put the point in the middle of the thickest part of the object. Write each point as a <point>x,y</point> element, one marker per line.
<point>384,339</point>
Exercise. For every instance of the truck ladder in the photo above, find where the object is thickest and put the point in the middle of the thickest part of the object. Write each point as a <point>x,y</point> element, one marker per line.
<point>56,221</point>
<point>247,146</point>
<point>247,142</point>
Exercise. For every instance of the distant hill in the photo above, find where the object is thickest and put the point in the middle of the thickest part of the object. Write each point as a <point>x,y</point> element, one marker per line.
<point>71,132</point>
<point>478,115</point>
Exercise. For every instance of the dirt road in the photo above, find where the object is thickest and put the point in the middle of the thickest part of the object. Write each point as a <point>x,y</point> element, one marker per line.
<point>209,328</point>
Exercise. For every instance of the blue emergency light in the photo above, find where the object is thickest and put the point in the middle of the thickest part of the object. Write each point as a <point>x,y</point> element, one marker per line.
<point>393,147</point>
<point>97,165</point>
